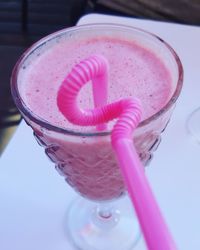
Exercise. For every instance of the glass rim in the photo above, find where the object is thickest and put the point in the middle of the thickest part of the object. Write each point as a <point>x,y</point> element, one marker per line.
<point>45,124</point>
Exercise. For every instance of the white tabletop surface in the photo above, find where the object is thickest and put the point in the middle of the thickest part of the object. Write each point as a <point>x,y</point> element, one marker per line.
<point>34,198</point>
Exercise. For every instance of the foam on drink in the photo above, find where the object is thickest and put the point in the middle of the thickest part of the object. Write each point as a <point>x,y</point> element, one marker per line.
<point>134,71</point>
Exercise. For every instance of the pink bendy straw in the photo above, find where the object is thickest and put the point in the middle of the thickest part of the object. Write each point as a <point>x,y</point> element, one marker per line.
<point>99,82</point>
<point>128,111</point>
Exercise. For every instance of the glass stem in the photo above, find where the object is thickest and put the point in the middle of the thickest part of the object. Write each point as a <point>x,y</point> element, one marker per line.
<point>105,216</point>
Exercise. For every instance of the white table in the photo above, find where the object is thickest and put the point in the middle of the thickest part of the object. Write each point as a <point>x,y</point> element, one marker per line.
<point>34,198</point>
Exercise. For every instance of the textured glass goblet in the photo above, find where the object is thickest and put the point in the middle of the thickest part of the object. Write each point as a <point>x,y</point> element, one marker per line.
<point>193,124</point>
<point>100,220</point>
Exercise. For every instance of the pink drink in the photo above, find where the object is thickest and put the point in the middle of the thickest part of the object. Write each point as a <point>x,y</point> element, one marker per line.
<point>134,71</point>
<point>87,160</point>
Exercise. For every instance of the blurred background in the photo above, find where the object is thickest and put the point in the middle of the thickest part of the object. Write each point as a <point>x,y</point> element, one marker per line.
<point>23,22</point>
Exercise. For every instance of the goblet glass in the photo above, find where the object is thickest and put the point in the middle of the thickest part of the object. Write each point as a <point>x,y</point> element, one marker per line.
<point>192,124</point>
<point>101,218</point>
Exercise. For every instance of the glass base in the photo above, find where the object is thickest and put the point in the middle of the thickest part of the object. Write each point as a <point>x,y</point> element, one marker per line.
<point>92,226</point>
<point>193,124</point>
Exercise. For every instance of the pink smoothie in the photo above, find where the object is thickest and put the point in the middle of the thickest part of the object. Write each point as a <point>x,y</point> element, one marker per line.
<point>89,164</point>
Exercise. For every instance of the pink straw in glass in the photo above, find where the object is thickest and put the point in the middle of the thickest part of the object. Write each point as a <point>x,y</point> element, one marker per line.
<point>99,82</point>
<point>128,112</point>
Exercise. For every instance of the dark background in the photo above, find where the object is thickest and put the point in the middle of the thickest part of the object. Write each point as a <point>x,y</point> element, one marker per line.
<point>24,21</point>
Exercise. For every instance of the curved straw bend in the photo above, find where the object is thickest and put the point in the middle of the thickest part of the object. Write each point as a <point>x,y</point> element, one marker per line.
<point>128,110</point>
